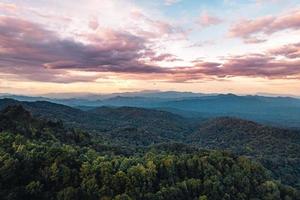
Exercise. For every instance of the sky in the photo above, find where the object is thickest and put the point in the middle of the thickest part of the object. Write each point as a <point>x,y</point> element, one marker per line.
<point>106,46</point>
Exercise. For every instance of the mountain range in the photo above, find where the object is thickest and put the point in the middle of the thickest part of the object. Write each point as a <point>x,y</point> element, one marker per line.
<point>272,110</point>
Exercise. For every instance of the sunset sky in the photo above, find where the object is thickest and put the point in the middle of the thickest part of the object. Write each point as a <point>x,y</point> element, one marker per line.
<point>104,46</point>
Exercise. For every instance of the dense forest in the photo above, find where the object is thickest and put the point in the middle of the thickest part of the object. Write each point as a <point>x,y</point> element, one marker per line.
<point>128,129</point>
<point>41,158</point>
<point>277,149</point>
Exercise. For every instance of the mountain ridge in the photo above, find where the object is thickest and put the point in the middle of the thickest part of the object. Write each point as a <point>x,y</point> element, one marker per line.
<point>278,111</point>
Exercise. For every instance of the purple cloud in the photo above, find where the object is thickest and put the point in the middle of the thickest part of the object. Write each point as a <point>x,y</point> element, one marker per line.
<point>32,52</point>
<point>249,29</point>
<point>29,47</point>
<point>289,51</point>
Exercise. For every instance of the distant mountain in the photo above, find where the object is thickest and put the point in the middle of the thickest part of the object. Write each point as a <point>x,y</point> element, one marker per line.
<point>282,111</point>
<point>23,97</point>
<point>65,101</point>
<point>279,111</point>
<point>143,93</point>
<point>277,95</point>
<point>141,99</point>
<point>144,102</point>
<point>162,94</point>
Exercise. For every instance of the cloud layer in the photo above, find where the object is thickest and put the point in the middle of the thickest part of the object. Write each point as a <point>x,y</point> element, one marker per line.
<point>250,30</point>
<point>32,51</point>
<point>27,49</point>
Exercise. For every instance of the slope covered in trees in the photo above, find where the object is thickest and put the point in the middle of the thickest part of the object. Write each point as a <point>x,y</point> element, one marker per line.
<point>246,137</point>
<point>130,126</point>
<point>138,126</point>
<point>40,161</point>
<point>126,130</point>
<point>277,149</point>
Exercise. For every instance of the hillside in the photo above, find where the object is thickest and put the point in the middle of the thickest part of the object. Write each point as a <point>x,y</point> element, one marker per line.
<point>37,167</point>
<point>134,126</point>
<point>149,126</point>
<point>134,129</point>
<point>277,149</point>
<point>246,137</point>
<point>17,120</point>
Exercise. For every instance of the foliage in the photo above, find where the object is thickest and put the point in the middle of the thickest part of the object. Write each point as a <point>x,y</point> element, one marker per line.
<point>40,161</point>
<point>277,149</point>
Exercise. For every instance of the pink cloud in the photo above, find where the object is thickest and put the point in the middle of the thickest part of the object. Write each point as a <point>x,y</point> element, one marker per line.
<point>254,40</point>
<point>93,23</point>
<point>154,29</point>
<point>249,29</point>
<point>202,43</point>
<point>150,55</point>
<point>30,51</point>
<point>289,51</point>
<point>245,28</point>
<point>206,20</point>
<point>264,67</point>
<point>8,7</point>
<point>171,2</point>
<point>49,15</point>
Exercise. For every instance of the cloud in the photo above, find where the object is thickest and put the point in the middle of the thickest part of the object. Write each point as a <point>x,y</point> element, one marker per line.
<point>202,44</point>
<point>260,65</point>
<point>291,51</point>
<point>29,51</point>
<point>155,29</point>
<point>93,23</point>
<point>153,57</point>
<point>264,65</point>
<point>50,16</point>
<point>171,2</point>
<point>252,65</point>
<point>268,25</point>
<point>267,1</point>
<point>254,40</point>
<point>206,20</point>
<point>8,7</point>
<point>28,48</point>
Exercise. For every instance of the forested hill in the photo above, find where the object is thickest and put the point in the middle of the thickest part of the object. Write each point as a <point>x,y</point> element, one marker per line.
<point>48,110</point>
<point>277,149</point>
<point>41,160</point>
<point>133,126</point>
<point>144,126</point>
<point>17,120</point>
<point>124,130</point>
<point>246,137</point>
